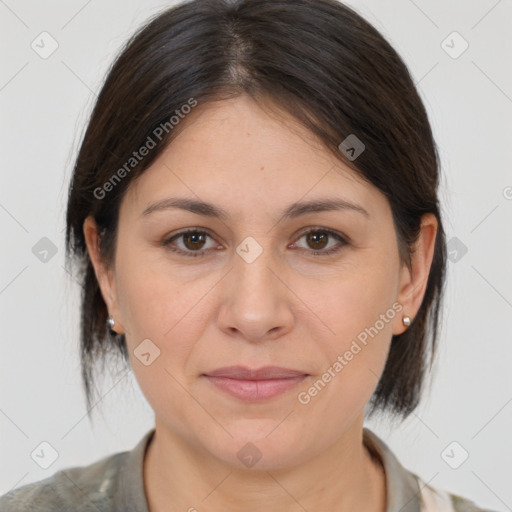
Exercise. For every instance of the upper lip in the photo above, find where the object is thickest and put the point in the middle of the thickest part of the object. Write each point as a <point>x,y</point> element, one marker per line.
<point>264,373</point>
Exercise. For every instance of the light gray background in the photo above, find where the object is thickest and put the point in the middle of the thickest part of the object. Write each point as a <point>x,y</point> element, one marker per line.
<point>44,105</point>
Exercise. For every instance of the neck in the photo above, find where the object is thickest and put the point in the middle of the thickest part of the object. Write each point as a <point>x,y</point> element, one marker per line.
<point>345,477</point>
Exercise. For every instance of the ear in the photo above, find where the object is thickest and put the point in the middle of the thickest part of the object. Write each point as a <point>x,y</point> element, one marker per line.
<point>104,275</point>
<point>413,279</point>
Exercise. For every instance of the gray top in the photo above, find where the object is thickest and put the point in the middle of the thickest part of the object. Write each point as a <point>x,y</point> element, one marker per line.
<point>115,484</point>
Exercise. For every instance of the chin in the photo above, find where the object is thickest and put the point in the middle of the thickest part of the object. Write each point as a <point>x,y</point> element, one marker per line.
<point>257,444</point>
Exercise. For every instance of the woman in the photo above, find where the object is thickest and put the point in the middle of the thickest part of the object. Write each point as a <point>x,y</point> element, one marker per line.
<point>254,212</point>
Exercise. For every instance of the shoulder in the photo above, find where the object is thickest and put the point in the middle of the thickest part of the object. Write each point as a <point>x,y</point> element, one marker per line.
<point>79,488</point>
<point>464,505</point>
<point>407,491</point>
<point>438,500</point>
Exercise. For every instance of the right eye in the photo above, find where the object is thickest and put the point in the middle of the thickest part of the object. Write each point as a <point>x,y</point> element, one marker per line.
<point>192,243</point>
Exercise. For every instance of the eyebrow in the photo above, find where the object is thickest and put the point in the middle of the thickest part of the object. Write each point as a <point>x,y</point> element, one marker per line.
<point>293,211</point>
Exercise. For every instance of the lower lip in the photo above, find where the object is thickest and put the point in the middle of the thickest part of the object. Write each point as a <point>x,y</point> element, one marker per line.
<point>255,390</point>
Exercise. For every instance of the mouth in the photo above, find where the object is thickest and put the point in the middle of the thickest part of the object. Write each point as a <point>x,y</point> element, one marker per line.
<point>255,384</point>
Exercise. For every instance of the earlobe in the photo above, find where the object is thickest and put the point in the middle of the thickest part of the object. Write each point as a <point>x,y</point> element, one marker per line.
<point>414,279</point>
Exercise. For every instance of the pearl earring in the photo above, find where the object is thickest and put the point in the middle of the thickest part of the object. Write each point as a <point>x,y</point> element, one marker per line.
<point>406,320</point>
<point>111,322</point>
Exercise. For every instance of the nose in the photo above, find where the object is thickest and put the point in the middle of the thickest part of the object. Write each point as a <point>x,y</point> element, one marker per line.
<point>256,303</point>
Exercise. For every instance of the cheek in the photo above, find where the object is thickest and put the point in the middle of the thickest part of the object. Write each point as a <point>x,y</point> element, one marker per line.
<point>152,297</point>
<point>156,306</point>
<point>165,305</point>
<point>353,300</point>
<point>358,307</point>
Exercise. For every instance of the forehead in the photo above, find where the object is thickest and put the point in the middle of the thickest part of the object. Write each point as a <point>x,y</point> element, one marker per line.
<point>235,151</point>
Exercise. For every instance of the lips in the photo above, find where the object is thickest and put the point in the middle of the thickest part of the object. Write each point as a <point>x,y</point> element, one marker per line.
<point>253,384</point>
<point>265,373</point>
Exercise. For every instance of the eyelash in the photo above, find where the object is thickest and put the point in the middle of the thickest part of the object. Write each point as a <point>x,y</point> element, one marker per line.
<point>195,254</point>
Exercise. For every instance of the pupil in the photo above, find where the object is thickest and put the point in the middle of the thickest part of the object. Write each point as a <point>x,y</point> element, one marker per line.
<point>196,240</point>
<point>314,238</point>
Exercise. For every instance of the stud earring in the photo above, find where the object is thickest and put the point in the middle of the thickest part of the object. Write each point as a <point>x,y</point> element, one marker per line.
<point>111,322</point>
<point>406,320</point>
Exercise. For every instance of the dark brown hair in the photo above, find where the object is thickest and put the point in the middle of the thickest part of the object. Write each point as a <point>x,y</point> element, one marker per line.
<point>316,59</point>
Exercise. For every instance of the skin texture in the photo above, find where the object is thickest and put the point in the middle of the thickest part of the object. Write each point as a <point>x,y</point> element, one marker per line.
<point>288,308</point>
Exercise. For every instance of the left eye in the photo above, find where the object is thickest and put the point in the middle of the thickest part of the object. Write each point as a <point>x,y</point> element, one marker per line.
<point>318,240</point>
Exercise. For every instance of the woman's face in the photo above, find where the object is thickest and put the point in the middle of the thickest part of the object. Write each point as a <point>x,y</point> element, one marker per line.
<point>248,290</point>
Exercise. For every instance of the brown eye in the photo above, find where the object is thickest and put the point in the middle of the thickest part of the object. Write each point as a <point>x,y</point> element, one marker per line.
<point>194,240</point>
<point>189,243</point>
<point>318,241</point>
